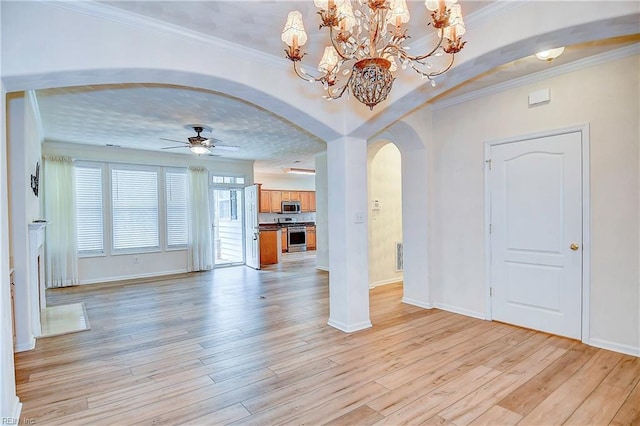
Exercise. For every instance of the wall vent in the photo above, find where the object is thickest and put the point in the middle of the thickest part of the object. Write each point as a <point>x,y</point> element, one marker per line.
<point>399,261</point>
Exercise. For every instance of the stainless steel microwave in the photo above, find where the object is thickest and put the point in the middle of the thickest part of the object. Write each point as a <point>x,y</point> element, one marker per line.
<point>291,207</point>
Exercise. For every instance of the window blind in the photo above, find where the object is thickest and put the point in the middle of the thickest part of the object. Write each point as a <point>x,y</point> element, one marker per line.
<point>134,196</point>
<point>176,193</point>
<point>89,215</point>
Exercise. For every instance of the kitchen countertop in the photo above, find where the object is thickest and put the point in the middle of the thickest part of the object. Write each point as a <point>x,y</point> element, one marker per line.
<point>276,226</point>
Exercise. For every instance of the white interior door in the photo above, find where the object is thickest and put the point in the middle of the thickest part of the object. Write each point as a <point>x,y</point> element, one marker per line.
<point>536,233</point>
<point>252,232</point>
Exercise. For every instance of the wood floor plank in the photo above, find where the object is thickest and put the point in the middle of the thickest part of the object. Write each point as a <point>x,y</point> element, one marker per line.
<point>561,403</point>
<point>235,345</point>
<point>362,416</point>
<point>604,402</point>
<point>533,392</point>
<point>629,412</point>
<point>428,405</point>
<point>497,415</point>
<point>477,402</point>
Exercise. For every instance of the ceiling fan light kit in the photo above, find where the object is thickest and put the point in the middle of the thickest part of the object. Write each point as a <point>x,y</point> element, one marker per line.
<point>200,145</point>
<point>368,36</point>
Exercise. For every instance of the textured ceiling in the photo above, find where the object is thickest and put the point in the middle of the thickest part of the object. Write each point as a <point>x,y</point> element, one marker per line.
<point>138,115</point>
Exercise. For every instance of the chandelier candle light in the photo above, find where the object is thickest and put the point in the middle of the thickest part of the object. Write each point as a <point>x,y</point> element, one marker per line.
<point>367,36</point>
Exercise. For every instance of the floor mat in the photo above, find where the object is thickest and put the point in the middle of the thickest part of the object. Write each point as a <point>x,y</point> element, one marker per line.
<point>64,319</point>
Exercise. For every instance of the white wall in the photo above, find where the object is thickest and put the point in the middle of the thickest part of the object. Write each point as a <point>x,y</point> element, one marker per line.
<point>9,403</point>
<point>322,218</point>
<point>385,221</point>
<point>289,181</point>
<point>137,265</point>
<point>606,97</point>
<point>23,145</point>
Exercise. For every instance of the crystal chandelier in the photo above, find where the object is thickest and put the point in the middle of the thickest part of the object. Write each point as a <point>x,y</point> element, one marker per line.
<point>367,37</point>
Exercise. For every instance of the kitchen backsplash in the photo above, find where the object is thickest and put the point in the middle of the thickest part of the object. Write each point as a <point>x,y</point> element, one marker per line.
<point>298,217</point>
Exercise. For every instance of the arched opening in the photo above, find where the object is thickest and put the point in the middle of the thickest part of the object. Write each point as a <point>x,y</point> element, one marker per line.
<point>384,188</point>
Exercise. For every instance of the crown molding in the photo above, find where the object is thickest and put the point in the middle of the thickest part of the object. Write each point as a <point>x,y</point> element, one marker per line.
<point>612,55</point>
<point>145,23</point>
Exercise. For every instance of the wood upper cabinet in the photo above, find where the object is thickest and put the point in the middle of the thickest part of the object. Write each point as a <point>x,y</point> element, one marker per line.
<point>311,237</point>
<point>276,201</point>
<point>265,201</point>
<point>304,201</point>
<point>271,200</point>
<point>312,201</point>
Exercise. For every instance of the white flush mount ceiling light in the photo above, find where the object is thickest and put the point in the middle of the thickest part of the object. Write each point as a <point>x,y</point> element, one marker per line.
<point>367,37</point>
<point>300,171</point>
<point>550,55</point>
<point>199,149</point>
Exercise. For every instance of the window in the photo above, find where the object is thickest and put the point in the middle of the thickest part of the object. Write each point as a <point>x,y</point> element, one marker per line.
<point>176,193</point>
<point>89,215</point>
<point>227,179</point>
<point>134,195</point>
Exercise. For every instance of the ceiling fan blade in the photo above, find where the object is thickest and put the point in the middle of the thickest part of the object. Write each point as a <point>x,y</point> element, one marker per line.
<point>173,147</point>
<point>174,140</point>
<point>226,147</point>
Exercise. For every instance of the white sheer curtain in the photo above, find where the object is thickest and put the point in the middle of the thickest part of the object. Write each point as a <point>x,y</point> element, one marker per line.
<point>61,244</point>
<point>199,253</point>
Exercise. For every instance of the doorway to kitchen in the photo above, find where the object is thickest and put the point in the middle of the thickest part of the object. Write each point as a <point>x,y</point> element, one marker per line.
<point>227,226</point>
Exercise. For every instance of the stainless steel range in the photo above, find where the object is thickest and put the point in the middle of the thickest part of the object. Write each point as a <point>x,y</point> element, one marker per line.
<point>297,238</point>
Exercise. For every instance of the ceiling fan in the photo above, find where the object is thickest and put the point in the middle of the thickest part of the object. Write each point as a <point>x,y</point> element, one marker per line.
<point>201,145</point>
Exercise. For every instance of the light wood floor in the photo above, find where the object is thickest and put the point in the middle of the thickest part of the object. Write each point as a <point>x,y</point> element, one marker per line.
<point>237,346</point>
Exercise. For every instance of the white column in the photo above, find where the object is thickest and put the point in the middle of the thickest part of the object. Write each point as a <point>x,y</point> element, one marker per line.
<point>348,238</point>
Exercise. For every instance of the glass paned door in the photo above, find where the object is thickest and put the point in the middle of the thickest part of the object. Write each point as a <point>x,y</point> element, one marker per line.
<point>227,221</point>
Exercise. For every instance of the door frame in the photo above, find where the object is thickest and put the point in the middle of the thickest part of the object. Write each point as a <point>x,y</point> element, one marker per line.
<point>583,129</point>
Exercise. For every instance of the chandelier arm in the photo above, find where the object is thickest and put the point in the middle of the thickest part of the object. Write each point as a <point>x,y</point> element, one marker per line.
<point>429,75</point>
<point>374,34</point>
<point>340,91</point>
<point>338,48</point>
<point>425,56</point>
<point>308,77</point>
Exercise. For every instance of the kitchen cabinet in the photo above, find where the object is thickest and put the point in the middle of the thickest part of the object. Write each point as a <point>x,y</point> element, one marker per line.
<point>304,202</point>
<point>276,201</point>
<point>265,201</point>
<point>285,246</point>
<point>271,200</point>
<point>312,201</point>
<point>268,247</point>
<point>311,237</point>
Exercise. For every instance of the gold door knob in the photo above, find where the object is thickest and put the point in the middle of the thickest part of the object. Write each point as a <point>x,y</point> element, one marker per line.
<point>574,246</point>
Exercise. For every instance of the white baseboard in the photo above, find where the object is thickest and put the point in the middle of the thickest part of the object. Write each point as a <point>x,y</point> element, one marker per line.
<point>26,346</point>
<point>385,282</point>
<point>418,303</point>
<point>461,311</point>
<point>133,277</point>
<point>349,328</point>
<point>17,409</point>
<point>322,268</point>
<point>616,347</point>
